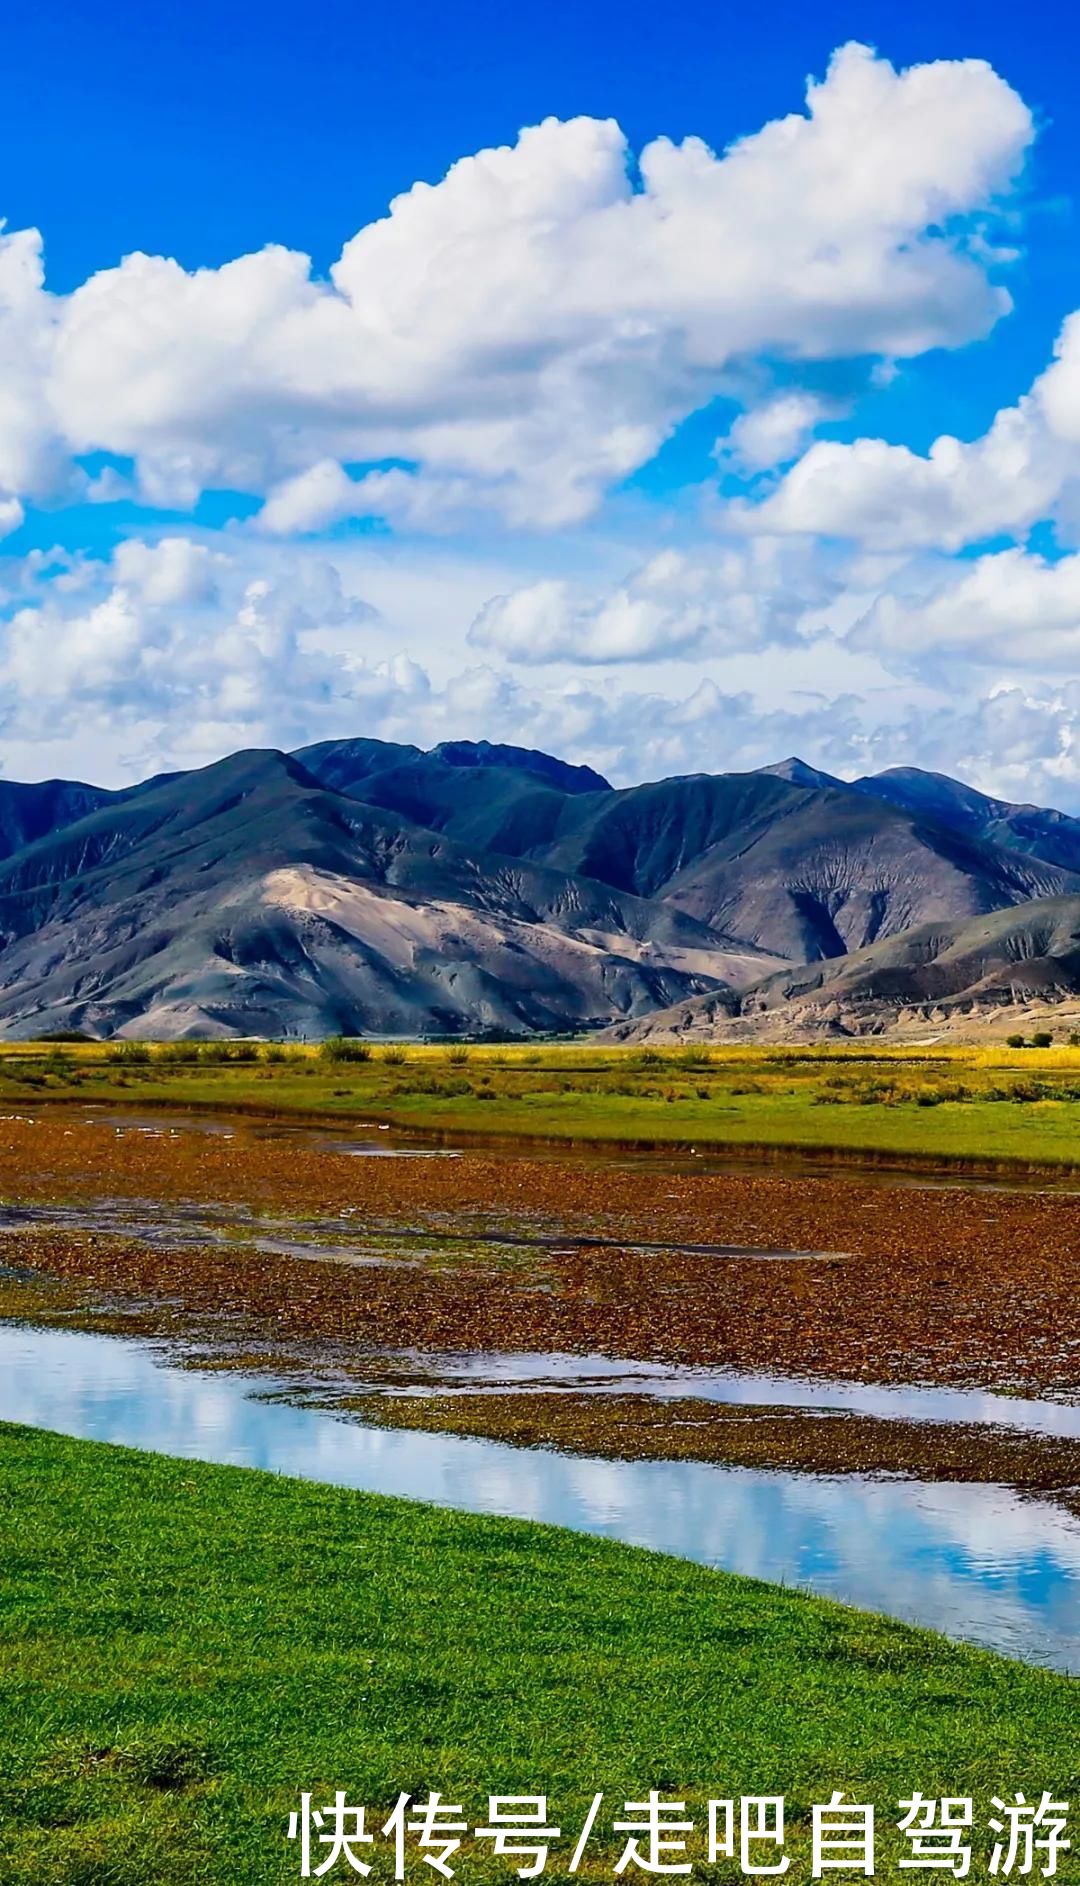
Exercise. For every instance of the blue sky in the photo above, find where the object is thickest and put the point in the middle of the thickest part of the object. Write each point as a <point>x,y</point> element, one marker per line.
<point>204,133</point>
<point>611,527</point>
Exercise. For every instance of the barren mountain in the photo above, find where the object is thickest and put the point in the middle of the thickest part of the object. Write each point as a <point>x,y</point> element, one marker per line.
<point>807,872</point>
<point>933,975</point>
<point>1035,831</point>
<point>368,886</point>
<point>786,859</point>
<point>246,898</point>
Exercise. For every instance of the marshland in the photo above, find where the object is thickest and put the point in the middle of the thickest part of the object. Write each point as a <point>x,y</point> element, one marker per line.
<point>804,1316</point>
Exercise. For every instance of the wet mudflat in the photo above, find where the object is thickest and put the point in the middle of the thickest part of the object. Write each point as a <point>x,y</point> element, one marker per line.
<point>372,1139</point>
<point>595,1404</point>
<point>817,1438</point>
<point>177,1223</point>
<point>864,1282</point>
<point>801,1354</point>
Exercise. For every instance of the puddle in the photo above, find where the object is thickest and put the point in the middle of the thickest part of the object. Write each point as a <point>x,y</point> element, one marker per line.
<point>977,1562</point>
<point>169,1125</point>
<point>598,1374</point>
<point>177,1225</point>
<point>565,1243</point>
<point>21,1274</point>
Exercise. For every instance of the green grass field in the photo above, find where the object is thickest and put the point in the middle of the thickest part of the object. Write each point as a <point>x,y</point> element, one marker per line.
<point>183,1648</point>
<point>984,1105</point>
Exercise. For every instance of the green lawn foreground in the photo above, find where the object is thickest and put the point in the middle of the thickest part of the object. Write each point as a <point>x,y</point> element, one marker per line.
<point>184,1647</point>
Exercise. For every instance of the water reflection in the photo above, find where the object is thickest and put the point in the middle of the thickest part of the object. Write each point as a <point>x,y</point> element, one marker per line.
<point>976,1561</point>
<point>358,1138</point>
<point>360,1142</point>
<point>597,1374</point>
<point>178,1224</point>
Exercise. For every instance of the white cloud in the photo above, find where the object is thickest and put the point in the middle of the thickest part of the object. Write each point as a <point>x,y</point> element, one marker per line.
<point>1058,389</point>
<point>890,498</point>
<point>106,676</point>
<point>1015,743</point>
<point>1019,743</point>
<point>11,516</point>
<point>1009,609</point>
<point>728,601</point>
<point>325,495</point>
<point>52,657</point>
<point>314,499</point>
<point>526,332</point>
<point>1025,468</point>
<point>172,570</point>
<point>32,460</point>
<point>772,433</point>
<point>177,632</point>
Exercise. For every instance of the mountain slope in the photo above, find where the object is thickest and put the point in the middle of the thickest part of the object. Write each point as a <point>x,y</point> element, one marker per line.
<point>343,764</point>
<point>247,898</point>
<point>369,886</point>
<point>935,972</point>
<point>798,773</point>
<point>498,798</point>
<point>1033,831</point>
<point>786,859</point>
<point>806,872</point>
<point>1008,955</point>
<point>29,812</point>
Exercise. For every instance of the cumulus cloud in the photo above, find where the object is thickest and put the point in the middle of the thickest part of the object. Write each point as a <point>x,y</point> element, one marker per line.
<point>11,515</point>
<point>1019,743</point>
<point>727,602</point>
<point>32,454</point>
<point>525,333</point>
<point>890,498</point>
<point>175,652</point>
<point>1011,608</point>
<point>1026,467</point>
<point>314,499</point>
<point>173,631</point>
<point>173,570</point>
<point>325,495</point>
<point>774,432</point>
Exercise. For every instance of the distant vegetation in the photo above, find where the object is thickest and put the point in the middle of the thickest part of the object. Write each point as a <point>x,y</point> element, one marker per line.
<point>344,1048</point>
<point>1010,1102</point>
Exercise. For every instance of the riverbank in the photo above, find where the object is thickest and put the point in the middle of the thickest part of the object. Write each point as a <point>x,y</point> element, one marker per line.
<point>981,1108</point>
<point>186,1647</point>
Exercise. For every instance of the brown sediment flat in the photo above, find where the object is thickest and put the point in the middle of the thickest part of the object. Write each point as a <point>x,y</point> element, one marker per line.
<point>613,1426</point>
<point>937,1285</point>
<point>636,1427</point>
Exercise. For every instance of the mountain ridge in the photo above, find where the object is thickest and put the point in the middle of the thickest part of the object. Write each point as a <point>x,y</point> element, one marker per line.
<point>937,975</point>
<point>365,886</point>
<point>247,894</point>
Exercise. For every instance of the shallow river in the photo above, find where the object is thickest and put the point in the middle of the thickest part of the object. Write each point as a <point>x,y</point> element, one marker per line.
<point>977,1562</point>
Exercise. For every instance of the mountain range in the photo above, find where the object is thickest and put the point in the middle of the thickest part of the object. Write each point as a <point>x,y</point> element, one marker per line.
<point>362,886</point>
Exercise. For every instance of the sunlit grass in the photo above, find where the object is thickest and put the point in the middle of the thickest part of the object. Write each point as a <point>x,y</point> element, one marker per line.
<point>945,1101</point>
<point>186,1647</point>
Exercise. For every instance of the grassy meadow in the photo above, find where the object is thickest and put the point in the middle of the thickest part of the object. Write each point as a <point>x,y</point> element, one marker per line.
<point>183,1648</point>
<point>973,1104</point>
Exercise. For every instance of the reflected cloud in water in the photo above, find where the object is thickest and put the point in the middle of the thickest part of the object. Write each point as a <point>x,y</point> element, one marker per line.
<point>978,1562</point>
